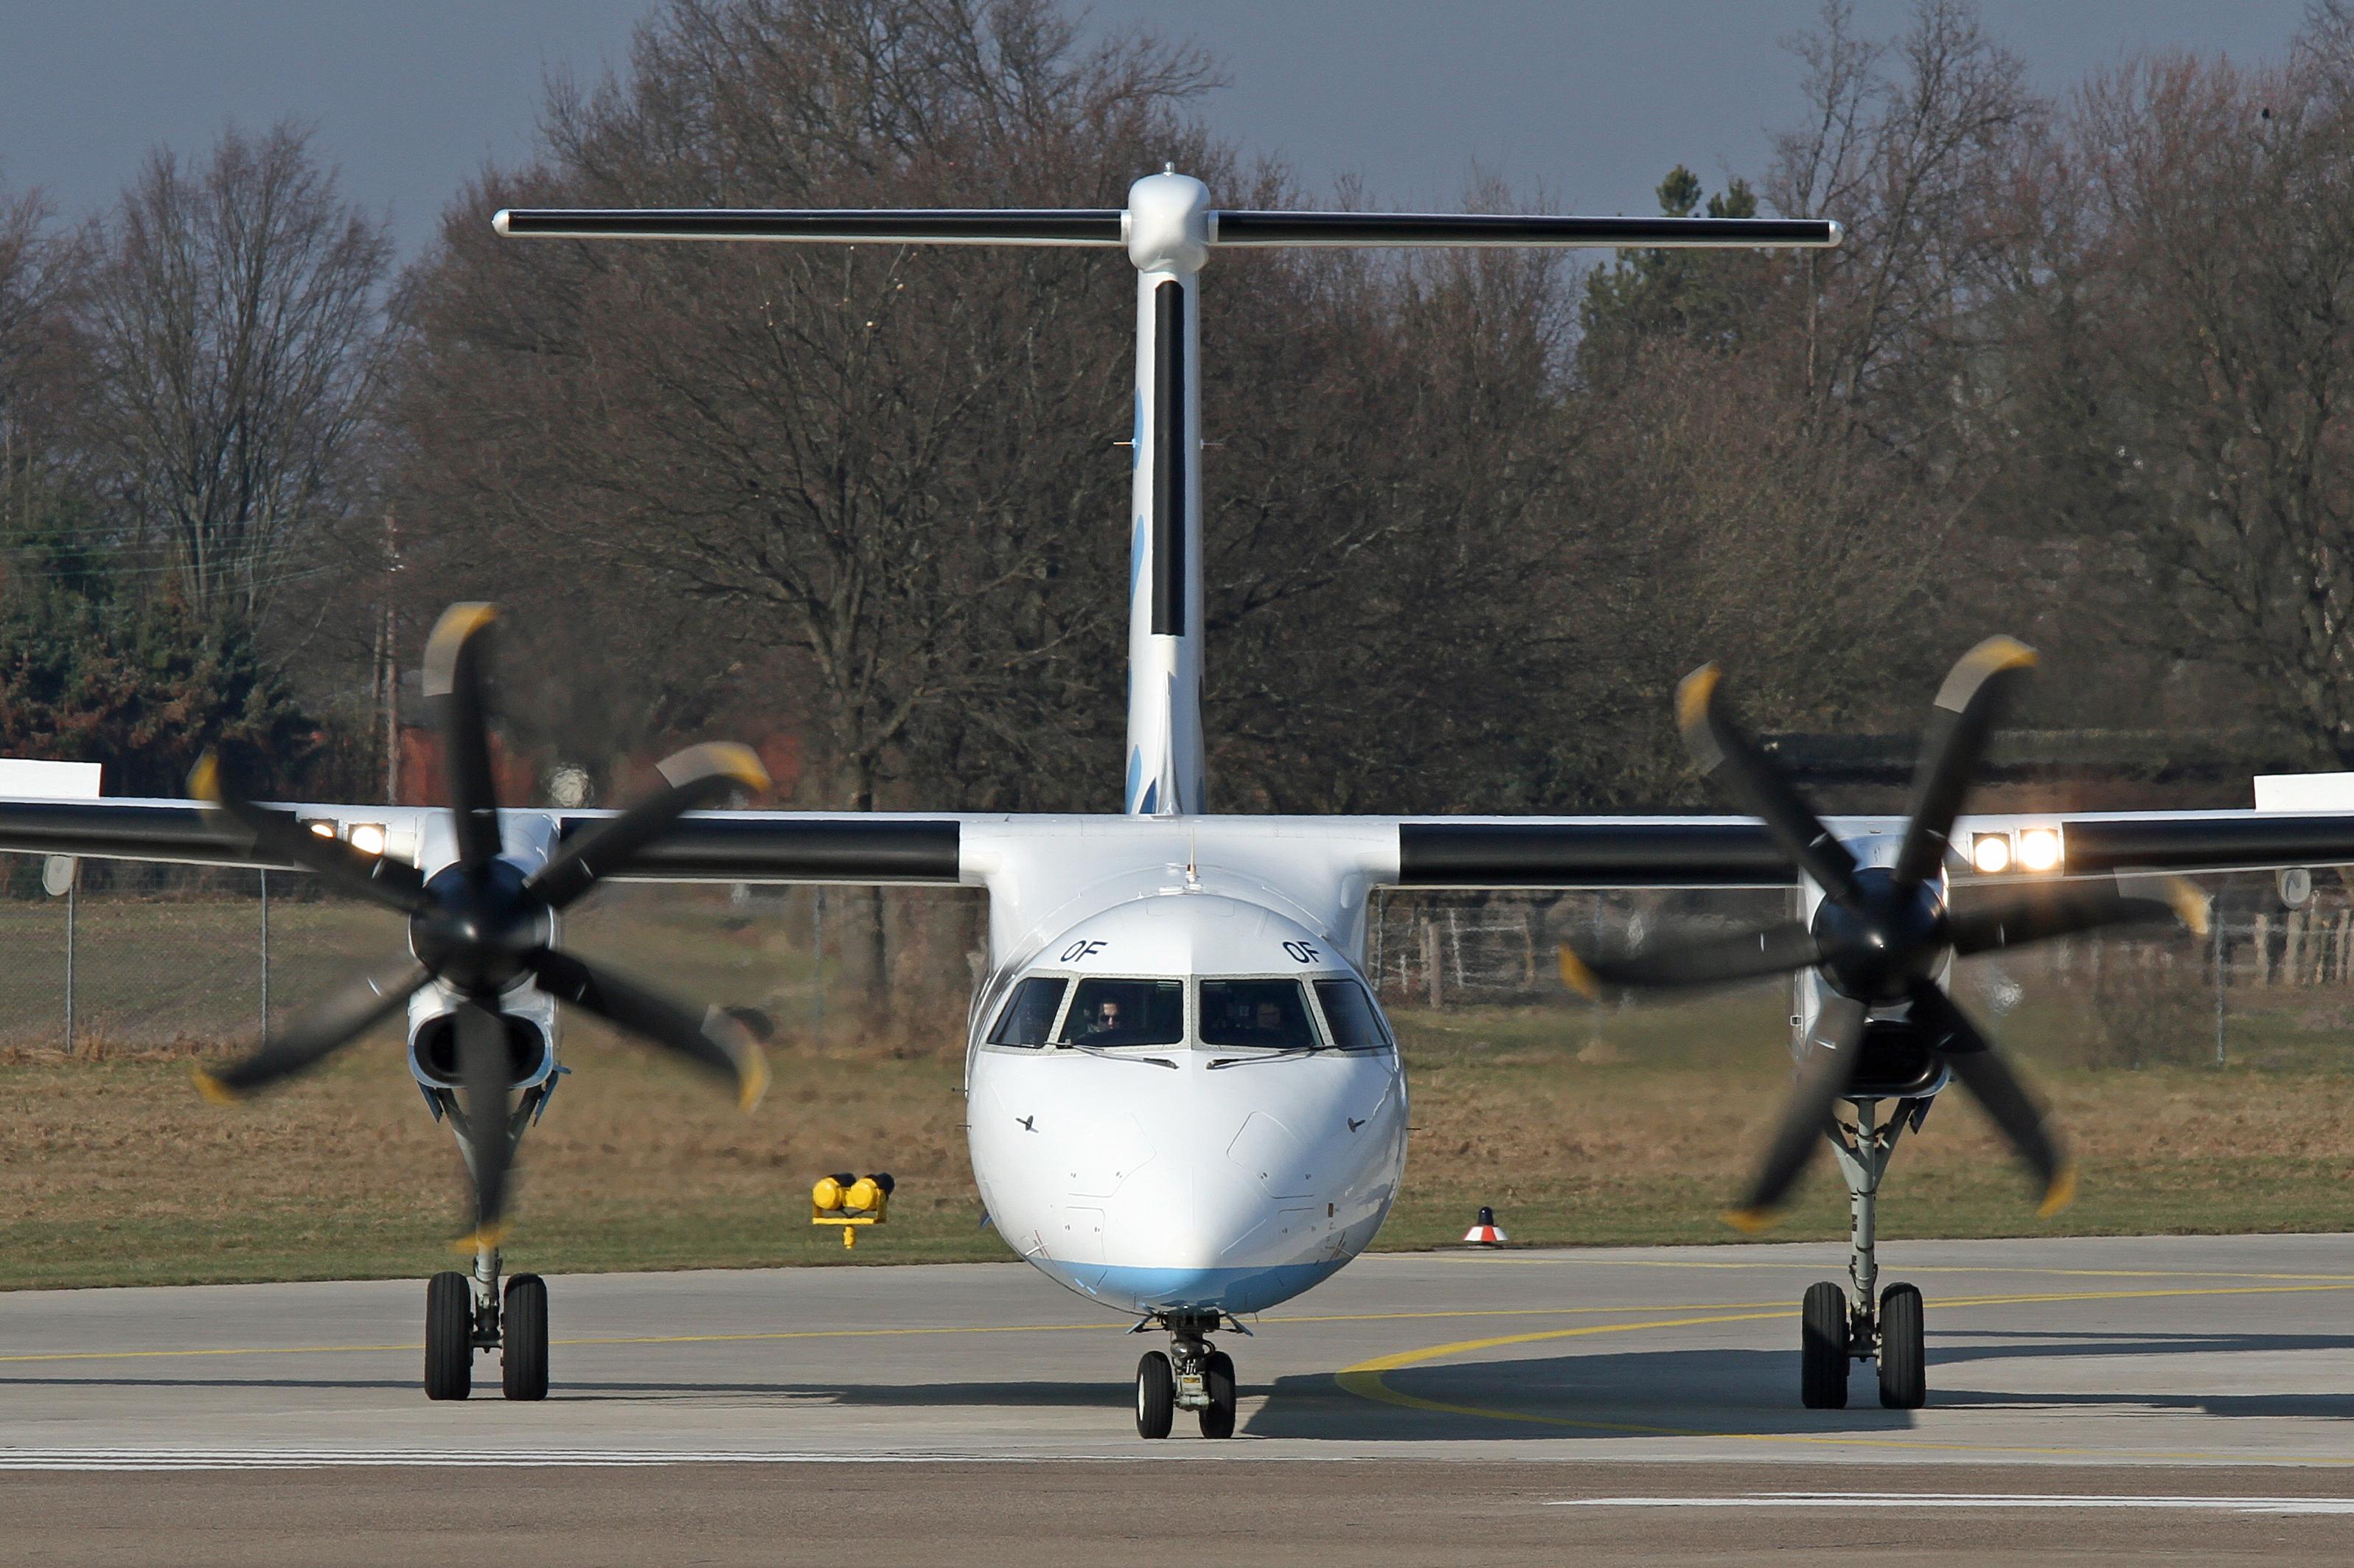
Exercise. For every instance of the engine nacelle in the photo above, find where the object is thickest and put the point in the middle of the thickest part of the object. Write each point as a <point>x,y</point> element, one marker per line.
<point>433,1058</point>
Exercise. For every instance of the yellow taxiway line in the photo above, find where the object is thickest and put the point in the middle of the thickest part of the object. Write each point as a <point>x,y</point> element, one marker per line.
<point>1365,1380</point>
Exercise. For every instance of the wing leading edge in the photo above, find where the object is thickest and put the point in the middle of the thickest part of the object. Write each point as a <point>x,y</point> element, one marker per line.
<point>1736,851</point>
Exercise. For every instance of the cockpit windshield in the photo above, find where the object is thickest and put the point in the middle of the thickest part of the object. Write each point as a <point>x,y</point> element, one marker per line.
<point>1267,1013</point>
<point>1125,1013</point>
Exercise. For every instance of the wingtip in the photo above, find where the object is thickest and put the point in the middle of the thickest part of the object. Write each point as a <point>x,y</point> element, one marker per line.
<point>1577,977</point>
<point>211,1086</point>
<point>499,223</point>
<point>1751,1222</point>
<point>2059,1194</point>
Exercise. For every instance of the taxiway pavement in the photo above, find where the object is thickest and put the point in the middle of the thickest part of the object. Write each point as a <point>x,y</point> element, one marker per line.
<point>2191,1395</point>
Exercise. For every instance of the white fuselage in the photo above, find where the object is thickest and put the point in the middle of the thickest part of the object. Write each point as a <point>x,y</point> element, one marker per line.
<point>1202,1167</point>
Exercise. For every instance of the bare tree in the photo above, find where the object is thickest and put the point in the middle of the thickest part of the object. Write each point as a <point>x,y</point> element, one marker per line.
<point>232,322</point>
<point>35,276</point>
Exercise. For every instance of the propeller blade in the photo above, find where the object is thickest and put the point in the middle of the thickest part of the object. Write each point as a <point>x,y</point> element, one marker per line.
<point>455,659</point>
<point>1983,1072</point>
<point>1706,960</point>
<point>698,777</point>
<point>1721,747</point>
<point>329,1026</point>
<point>714,1042</point>
<point>483,1068</point>
<point>1973,697</point>
<point>1824,1072</point>
<point>2066,908</point>
<point>380,879</point>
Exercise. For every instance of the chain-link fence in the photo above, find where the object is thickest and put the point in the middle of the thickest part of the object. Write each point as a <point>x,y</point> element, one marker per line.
<point>144,957</point>
<point>2265,986</point>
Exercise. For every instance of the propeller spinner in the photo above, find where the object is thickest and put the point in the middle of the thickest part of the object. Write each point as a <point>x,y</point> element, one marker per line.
<point>1881,934</point>
<point>482,923</point>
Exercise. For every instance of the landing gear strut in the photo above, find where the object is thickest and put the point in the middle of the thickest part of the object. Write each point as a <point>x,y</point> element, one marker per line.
<point>1842,1324</point>
<point>1191,1376</point>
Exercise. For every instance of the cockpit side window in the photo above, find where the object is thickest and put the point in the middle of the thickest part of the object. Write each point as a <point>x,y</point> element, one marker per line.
<point>1350,1014</point>
<point>1125,1013</point>
<point>1270,1013</point>
<point>1029,1018</point>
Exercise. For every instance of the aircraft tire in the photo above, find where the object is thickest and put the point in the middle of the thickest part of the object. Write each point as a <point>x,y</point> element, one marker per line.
<point>1822,1347</point>
<point>1218,1383</point>
<point>523,1338</point>
<point>1903,1353</point>
<point>449,1336</point>
<point>1156,1395</point>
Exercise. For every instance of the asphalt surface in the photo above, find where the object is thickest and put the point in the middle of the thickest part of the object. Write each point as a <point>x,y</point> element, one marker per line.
<point>2175,1399</point>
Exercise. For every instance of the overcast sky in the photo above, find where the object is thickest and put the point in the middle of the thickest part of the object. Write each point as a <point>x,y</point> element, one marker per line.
<point>1591,102</point>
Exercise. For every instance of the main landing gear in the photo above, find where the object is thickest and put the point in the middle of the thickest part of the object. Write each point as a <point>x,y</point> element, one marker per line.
<point>1842,1324</point>
<point>1190,1376</point>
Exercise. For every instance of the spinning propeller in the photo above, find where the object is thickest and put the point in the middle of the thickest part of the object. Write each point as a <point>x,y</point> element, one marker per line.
<point>1882,933</point>
<point>482,924</point>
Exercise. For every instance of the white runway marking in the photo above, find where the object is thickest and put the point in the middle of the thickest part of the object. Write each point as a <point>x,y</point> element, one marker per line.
<point>494,1458</point>
<point>1975,1500</point>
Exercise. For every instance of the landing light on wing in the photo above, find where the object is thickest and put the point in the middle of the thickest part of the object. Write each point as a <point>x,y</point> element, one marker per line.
<point>1990,852</point>
<point>2039,849</point>
<point>368,837</point>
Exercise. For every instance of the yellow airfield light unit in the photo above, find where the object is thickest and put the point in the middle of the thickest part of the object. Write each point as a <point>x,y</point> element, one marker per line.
<point>850,1201</point>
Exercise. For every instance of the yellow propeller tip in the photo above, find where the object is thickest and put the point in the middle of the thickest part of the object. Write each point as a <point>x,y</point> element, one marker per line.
<point>2059,1194</point>
<point>211,1088</point>
<point>1577,976</point>
<point>204,779</point>
<point>2002,654</point>
<point>2191,905</point>
<point>1751,1222</point>
<point>458,623</point>
<point>1693,693</point>
<point>753,1084</point>
<point>725,758</point>
<point>487,1238</point>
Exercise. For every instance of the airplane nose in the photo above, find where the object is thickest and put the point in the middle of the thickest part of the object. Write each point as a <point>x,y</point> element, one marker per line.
<point>1233,1214</point>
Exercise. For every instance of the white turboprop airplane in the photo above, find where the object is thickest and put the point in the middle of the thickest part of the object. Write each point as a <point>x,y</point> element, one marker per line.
<point>1184,1102</point>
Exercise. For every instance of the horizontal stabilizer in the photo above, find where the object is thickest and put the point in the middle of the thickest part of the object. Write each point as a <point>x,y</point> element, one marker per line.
<point>1106,227</point>
<point>884,226</point>
<point>1457,228</point>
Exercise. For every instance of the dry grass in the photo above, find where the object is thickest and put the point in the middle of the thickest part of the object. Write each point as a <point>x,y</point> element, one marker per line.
<point>1633,1127</point>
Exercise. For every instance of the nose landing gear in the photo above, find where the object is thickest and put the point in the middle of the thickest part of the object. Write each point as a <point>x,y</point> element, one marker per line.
<point>1190,1376</point>
<point>1842,1324</point>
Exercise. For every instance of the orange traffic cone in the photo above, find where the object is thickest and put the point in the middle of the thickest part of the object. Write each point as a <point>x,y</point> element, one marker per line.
<point>1485,1231</point>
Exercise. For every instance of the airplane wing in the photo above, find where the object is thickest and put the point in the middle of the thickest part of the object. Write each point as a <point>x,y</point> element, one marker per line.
<point>1737,851</point>
<point>709,846</point>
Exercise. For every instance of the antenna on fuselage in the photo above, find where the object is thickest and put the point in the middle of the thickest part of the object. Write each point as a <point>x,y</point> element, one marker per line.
<point>1168,229</point>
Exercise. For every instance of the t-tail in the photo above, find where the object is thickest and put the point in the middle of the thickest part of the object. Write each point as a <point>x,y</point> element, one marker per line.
<point>1170,230</point>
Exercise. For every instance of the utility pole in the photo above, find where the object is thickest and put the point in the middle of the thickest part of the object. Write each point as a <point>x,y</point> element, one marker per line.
<point>388,662</point>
